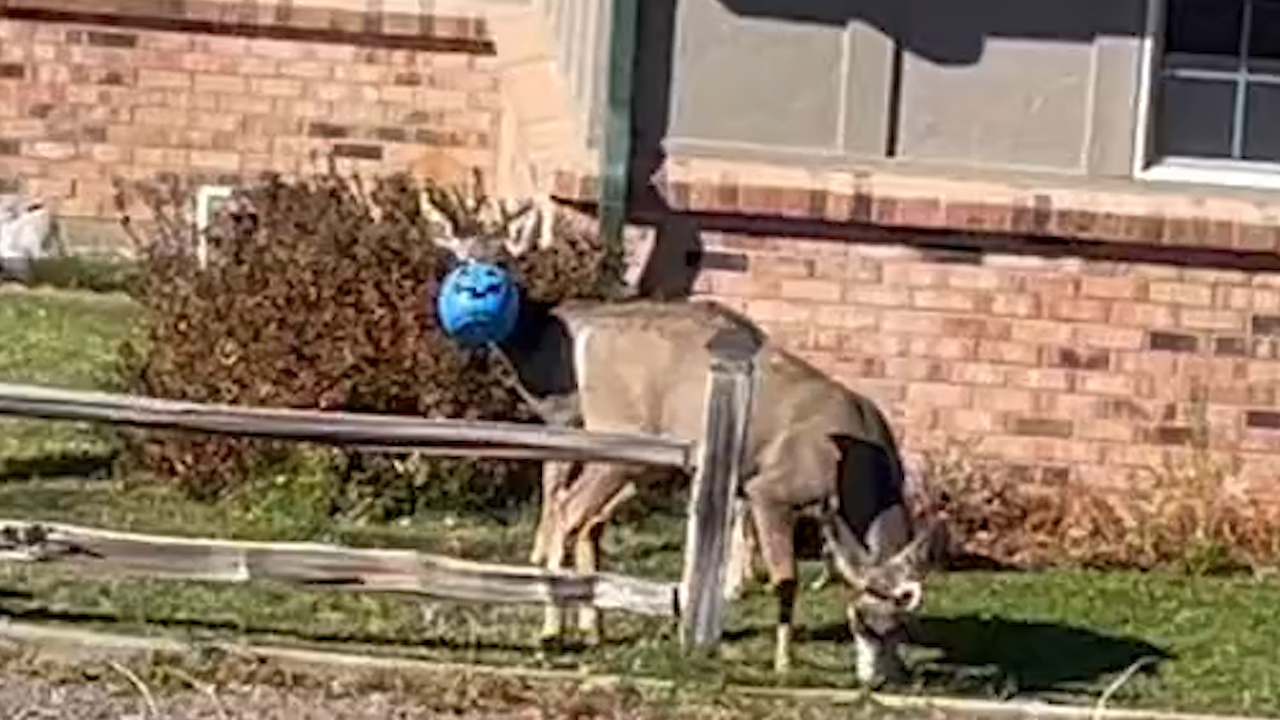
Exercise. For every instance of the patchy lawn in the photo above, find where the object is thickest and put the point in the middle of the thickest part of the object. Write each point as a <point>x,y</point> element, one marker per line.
<point>1061,635</point>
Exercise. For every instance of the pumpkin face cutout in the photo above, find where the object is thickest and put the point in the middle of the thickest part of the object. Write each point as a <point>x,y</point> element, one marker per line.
<point>478,303</point>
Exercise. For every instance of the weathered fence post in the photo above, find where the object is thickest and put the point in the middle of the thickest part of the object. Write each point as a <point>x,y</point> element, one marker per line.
<point>715,485</point>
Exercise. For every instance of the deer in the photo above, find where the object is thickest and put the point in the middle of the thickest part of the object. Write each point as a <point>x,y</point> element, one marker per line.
<point>815,448</point>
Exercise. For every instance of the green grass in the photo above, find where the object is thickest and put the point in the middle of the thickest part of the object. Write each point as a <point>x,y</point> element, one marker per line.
<point>1061,635</point>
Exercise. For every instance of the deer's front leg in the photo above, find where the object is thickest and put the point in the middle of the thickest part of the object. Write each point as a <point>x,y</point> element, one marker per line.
<point>775,524</point>
<point>587,556</point>
<point>578,505</point>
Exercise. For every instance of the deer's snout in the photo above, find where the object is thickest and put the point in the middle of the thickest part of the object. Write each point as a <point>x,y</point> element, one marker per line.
<point>909,596</point>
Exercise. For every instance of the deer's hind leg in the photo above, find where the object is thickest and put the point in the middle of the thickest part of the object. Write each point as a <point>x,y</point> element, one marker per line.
<point>556,477</point>
<point>585,500</point>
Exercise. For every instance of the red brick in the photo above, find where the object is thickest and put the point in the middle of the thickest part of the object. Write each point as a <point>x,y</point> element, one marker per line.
<point>975,373</point>
<point>1147,457</point>
<point>1042,332</point>
<point>1200,319</point>
<point>1116,288</point>
<point>1039,378</point>
<point>880,345</point>
<point>1123,431</point>
<point>1078,309</point>
<point>222,122</point>
<point>161,116</point>
<point>941,299</point>
<point>306,69</point>
<point>1247,298</point>
<point>1142,315</point>
<point>913,274</point>
<point>225,84</point>
<point>845,317</point>
<point>160,157</point>
<point>1102,383</point>
<point>968,421</point>
<point>911,322</point>
<point>779,311</point>
<point>1039,449</point>
<point>49,150</point>
<point>795,266</point>
<point>878,295</point>
<point>1110,337</point>
<point>1008,352</point>
<point>977,278</point>
<point>914,369</point>
<point>1006,399</point>
<point>945,348</point>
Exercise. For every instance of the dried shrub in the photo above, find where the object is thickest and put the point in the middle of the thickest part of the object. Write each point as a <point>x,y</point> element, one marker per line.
<point>1189,515</point>
<point>318,294</point>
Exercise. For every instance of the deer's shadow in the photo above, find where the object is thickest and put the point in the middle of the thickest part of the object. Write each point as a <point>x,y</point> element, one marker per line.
<point>1026,655</point>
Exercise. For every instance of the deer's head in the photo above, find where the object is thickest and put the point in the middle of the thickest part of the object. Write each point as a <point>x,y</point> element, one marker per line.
<point>883,590</point>
<point>474,226</point>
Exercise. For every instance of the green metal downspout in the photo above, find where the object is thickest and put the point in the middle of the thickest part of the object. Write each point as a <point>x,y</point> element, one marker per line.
<point>615,151</point>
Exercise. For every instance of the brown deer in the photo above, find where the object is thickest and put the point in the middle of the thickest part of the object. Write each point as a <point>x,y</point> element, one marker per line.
<point>814,447</point>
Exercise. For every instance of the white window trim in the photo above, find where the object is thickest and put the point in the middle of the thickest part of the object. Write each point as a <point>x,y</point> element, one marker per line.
<point>1193,171</point>
<point>205,198</point>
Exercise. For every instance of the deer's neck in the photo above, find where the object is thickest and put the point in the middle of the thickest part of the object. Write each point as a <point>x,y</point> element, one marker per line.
<point>540,350</point>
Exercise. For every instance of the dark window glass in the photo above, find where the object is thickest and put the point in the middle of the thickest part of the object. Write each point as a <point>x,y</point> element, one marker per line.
<point>1195,117</point>
<point>1264,36</point>
<point>1262,123</point>
<point>1206,27</point>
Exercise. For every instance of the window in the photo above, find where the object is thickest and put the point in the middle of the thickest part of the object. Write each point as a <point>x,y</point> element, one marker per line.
<point>1217,91</point>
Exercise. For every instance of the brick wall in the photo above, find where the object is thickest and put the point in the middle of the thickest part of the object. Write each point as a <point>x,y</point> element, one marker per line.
<point>1074,369</point>
<point>89,96</point>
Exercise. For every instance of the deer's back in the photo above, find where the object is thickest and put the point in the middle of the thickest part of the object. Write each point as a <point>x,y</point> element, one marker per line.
<point>643,366</point>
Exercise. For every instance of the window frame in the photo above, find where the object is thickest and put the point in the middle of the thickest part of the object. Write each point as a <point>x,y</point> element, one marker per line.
<point>1147,165</point>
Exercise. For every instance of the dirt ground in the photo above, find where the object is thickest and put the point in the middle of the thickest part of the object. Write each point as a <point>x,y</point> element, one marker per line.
<point>33,699</point>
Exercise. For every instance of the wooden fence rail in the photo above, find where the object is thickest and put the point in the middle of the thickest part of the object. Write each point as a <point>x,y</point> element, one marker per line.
<point>384,433</point>
<point>331,567</point>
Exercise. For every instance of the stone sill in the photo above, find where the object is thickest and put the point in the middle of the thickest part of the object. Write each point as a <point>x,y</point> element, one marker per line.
<point>1217,219</point>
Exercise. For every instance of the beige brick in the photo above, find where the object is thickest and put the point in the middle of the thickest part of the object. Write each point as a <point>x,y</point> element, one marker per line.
<point>214,160</point>
<point>817,290</point>
<point>1181,293</point>
<point>276,87</point>
<point>49,150</point>
<point>878,295</point>
<point>161,116</point>
<point>220,83</point>
<point>165,79</point>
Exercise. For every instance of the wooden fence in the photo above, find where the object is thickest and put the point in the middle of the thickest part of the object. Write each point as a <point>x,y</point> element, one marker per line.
<point>697,600</point>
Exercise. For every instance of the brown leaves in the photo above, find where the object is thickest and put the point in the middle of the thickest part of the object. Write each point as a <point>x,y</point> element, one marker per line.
<point>318,294</point>
<point>1186,516</point>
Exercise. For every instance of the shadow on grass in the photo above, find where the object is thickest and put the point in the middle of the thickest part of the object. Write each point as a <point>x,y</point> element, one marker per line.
<point>86,465</point>
<point>96,619</point>
<point>971,652</point>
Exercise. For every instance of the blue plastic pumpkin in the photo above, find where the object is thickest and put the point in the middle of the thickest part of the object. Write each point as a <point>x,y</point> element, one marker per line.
<point>478,303</point>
